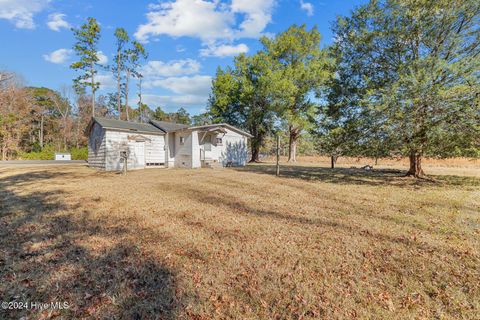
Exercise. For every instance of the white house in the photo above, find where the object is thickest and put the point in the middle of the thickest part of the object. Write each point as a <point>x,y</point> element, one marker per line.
<point>164,144</point>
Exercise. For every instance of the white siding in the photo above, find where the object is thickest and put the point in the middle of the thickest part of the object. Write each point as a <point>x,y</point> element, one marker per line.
<point>96,147</point>
<point>183,152</point>
<point>233,149</point>
<point>171,149</point>
<point>155,149</point>
<point>117,141</point>
<point>195,151</point>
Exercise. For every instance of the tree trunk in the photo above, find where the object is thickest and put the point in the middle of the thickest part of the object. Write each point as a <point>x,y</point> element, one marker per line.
<point>4,150</point>
<point>65,134</point>
<point>93,89</point>
<point>41,130</point>
<point>292,144</point>
<point>255,152</point>
<point>415,164</point>
<point>333,160</point>
<point>277,171</point>
<point>77,128</point>
<point>126,94</point>
<point>140,104</point>
<point>119,99</point>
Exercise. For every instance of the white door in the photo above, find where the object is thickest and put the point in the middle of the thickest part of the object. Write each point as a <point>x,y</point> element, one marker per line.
<point>139,154</point>
<point>207,148</point>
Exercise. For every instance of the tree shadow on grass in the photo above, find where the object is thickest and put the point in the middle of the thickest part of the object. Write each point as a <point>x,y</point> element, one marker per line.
<point>43,259</point>
<point>241,207</point>
<point>357,176</point>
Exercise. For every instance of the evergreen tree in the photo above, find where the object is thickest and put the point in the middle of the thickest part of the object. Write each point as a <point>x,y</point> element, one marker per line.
<point>245,97</point>
<point>122,40</point>
<point>414,69</point>
<point>304,68</point>
<point>134,55</point>
<point>87,37</point>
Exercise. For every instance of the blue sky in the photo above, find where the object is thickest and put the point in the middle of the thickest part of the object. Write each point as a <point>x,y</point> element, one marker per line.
<point>186,39</point>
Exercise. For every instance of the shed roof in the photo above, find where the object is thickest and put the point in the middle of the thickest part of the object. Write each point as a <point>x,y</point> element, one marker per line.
<point>168,126</point>
<point>127,125</point>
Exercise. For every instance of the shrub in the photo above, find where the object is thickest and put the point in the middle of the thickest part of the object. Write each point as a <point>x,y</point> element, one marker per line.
<point>47,153</point>
<point>79,153</point>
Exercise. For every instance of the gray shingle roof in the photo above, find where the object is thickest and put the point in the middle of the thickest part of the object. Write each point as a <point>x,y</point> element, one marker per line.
<point>127,125</point>
<point>168,126</point>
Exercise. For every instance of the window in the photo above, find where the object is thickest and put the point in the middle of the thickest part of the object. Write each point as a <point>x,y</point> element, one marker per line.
<point>207,146</point>
<point>182,140</point>
<point>218,141</point>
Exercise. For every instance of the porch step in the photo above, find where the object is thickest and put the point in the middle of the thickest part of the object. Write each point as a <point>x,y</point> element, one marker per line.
<point>211,164</point>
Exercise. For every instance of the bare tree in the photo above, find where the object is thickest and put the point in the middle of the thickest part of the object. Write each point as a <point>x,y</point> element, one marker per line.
<point>63,106</point>
<point>15,106</point>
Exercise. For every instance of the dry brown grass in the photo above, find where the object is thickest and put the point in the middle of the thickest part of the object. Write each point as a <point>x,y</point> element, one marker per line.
<point>239,244</point>
<point>400,162</point>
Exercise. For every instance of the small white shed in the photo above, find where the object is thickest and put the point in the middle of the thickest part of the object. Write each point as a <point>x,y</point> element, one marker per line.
<point>63,156</point>
<point>143,143</point>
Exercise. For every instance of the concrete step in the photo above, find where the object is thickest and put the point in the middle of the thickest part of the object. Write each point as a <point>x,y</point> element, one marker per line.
<point>211,164</point>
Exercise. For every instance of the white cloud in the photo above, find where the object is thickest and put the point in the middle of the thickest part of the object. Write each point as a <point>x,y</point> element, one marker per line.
<point>21,12</point>
<point>106,80</point>
<point>193,18</point>
<point>209,21</point>
<point>224,50</point>
<point>258,14</point>
<point>156,69</point>
<point>63,55</point>
<point>56,21</point>
<point>102,58</point>
<point>195,85</point>
<point>179,79</point>
<point>171,101</point>
<point>308,7</point>
<point>58,56</point>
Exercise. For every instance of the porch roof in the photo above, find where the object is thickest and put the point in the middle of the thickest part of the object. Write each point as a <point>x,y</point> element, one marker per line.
<point>168,126</point>
<point>220,126</point>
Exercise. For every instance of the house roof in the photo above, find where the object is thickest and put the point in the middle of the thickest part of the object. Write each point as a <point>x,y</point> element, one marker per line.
<point>126,125</point>
<point>222,125</point>
<point>168,126</point>
<point>155,126</point>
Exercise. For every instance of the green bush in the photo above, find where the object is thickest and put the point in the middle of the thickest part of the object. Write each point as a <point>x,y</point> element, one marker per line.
<point>48,153</point>
<point>79,153</point>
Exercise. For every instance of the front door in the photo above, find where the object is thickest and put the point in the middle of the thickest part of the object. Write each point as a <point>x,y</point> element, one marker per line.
<point>139,154</point>
<point>207,148</point>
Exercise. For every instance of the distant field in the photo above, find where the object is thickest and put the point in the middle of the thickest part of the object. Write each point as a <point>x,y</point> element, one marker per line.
<point>431,162</point>
<point>241,243</point>
<point>452,166</point>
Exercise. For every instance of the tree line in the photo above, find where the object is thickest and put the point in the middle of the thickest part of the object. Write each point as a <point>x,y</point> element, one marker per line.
<point>401,79</point>
<point>37,121</point>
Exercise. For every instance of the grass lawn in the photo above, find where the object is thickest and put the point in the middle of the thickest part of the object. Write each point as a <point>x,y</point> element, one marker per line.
<point>239,243</point>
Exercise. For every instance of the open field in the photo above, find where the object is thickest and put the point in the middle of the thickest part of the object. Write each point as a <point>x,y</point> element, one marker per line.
<point>241,243</point>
